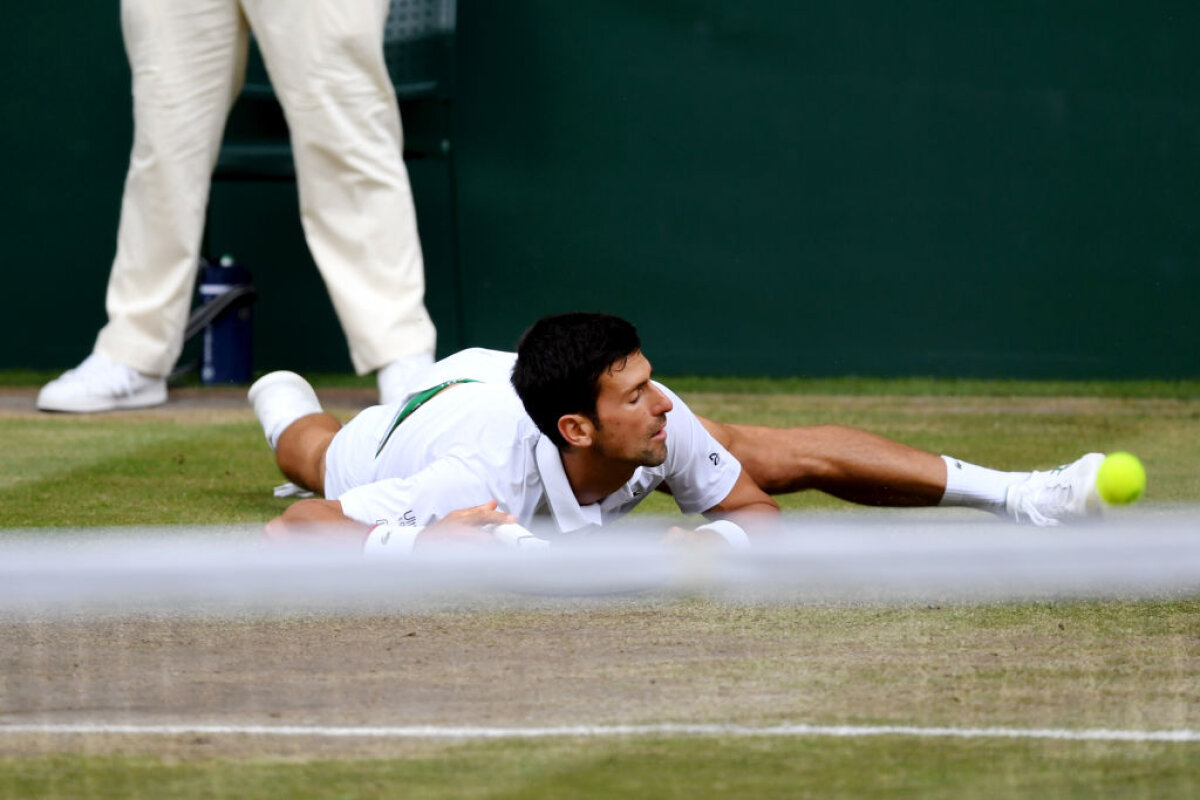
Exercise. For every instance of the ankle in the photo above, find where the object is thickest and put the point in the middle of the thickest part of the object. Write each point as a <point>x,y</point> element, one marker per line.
<point>973,486</point>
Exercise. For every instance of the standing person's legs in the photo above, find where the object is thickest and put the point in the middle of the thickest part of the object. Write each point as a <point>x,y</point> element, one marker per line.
<point>188,63</point>
<point>326,63</point>
<point>187,60</point>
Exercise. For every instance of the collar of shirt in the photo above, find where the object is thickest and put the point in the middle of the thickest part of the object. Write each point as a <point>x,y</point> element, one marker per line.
<point>568,514</point>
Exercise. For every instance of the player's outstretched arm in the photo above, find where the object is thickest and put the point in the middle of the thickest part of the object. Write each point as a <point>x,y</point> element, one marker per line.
<point>315,519</point>
<point>745,507</point>
<point>745,498</point>
<point>323,520</point>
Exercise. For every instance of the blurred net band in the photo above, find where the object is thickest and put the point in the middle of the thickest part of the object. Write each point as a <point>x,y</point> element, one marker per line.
<point>811,559</point>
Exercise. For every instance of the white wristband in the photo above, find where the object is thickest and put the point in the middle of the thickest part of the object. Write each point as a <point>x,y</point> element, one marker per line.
<point>388,542</point>
<point>513,535</point>
<point>731,532</point>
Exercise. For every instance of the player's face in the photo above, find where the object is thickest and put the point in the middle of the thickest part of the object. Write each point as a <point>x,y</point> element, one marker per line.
<point>631,414</point>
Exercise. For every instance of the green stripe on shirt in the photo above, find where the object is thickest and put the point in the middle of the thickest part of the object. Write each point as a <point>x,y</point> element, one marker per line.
<point>416,401</point>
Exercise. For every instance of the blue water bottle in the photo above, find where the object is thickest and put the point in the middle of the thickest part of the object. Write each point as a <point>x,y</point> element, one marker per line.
<point>229,335</point>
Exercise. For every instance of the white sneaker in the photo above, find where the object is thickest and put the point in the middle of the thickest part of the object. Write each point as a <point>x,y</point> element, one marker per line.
<point>101,384</point>
<point>1060,495</point>
<point>396,379</point>
<point>279,399</point>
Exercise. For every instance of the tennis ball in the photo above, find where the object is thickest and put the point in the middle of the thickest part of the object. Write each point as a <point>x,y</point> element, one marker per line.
<point>1121,479</point>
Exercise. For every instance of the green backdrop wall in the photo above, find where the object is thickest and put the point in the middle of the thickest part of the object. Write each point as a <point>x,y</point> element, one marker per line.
<point>832,187</point>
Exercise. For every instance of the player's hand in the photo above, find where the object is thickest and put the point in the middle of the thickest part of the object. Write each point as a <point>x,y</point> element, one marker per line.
<point>692,538</point>
<point>464,527</point>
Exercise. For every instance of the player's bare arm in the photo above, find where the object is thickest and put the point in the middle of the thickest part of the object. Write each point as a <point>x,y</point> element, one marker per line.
<point>323,520</point>
<point>313,518</point>
<point>744,499</point>
<point>746,506</point>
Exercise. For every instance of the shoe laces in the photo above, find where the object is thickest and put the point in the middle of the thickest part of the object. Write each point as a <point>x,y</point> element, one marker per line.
<point>1040,490</point>
<point>1045,498</point>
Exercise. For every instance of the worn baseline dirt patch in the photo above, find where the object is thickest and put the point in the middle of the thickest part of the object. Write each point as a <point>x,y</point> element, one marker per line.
<point>638,660</point>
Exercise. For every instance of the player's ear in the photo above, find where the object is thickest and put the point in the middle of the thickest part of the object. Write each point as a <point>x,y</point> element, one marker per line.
<point>576,429</point>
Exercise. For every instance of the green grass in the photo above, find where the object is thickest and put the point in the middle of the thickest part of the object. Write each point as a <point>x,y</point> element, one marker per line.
<point>1074,665</point>
<point>937,387</point>
<point>106,471</point>
<point>122,470</point>
<point>682,768</point>
<point>1117,664</point>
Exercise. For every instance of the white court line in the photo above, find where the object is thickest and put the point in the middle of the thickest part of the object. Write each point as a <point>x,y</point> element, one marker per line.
<point>601,731</point>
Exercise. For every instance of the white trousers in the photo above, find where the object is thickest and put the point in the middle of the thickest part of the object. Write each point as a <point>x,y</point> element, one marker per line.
<point>325,60</point>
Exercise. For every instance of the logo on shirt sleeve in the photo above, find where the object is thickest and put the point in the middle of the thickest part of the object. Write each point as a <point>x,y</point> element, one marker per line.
<point>715,458</point>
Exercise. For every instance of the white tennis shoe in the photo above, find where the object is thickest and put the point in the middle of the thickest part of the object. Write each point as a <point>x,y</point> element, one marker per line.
<point>1060,495</point>
<point>397,380</point>
<point>279,399</point>
<point>101,384</point>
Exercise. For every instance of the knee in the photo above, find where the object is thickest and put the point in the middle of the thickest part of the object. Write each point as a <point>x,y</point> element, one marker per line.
<point>343,68</point>
<point>782,460</point>
<point>300,452</point>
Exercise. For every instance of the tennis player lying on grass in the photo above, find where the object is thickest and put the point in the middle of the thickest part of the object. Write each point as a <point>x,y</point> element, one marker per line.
<point>574,433</point>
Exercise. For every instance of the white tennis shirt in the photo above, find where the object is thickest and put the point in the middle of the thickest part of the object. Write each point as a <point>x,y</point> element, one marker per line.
<point>473,443</point>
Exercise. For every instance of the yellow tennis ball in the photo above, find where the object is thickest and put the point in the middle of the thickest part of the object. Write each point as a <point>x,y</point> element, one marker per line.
<point>1121,479</point>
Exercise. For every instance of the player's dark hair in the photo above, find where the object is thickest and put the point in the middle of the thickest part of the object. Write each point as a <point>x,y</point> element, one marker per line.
<point>559,363</point>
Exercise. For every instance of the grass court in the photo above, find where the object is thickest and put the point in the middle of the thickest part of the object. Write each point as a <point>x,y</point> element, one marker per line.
<point>1033,679</point>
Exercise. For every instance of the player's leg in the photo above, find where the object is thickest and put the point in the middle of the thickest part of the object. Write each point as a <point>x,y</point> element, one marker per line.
<point>301,450</point>
<point>296,427</point>
<point>326,63</point>
<point>863,467</point>
<point>849,463</point>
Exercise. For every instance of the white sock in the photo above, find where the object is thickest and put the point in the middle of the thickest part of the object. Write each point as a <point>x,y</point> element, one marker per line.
<point>279,399</point>
<point>977,487</point>
<point>397,379</point>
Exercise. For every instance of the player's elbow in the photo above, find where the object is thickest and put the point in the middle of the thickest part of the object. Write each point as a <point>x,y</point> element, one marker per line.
<point>763,506</point>
<point>314,510</point>
<point>759,505</point>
